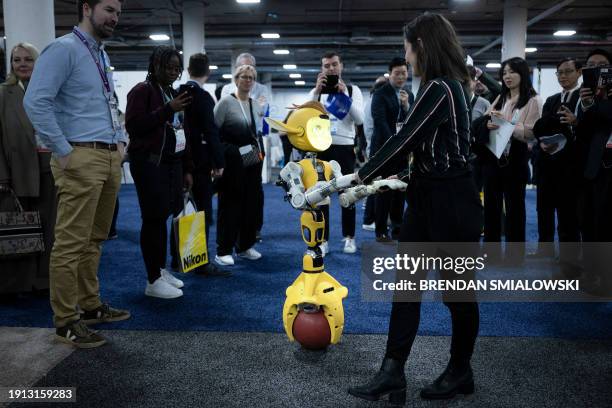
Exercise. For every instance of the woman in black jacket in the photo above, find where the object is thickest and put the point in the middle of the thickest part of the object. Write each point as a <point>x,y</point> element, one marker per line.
<point>443,204</point>
<point>160,163</point>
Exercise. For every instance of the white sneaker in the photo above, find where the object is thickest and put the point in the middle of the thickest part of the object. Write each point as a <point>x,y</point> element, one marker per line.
<point>225,260</point>
<point>349,245</point>
<point>168,277</point>
<point>250,253</point>
<point>369,227</point>
<point>162,289</point>
<point>324,248</point>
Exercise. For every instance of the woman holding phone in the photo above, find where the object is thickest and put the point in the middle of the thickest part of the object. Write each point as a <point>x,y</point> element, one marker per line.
<point>443,204</point>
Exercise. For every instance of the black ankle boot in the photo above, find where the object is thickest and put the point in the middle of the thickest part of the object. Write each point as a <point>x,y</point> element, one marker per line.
<point>453,381</point>
<point>390,380</point>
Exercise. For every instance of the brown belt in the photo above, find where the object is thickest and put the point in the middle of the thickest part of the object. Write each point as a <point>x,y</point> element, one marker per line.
<point>96,145</point>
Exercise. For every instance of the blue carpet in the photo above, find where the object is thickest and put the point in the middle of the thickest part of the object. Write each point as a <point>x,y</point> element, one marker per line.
<point>252,299</point>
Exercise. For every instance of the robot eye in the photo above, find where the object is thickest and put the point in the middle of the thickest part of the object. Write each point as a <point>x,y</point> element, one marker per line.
<point>324,116</point>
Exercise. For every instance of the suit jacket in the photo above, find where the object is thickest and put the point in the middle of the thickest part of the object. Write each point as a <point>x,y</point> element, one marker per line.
<point>549,125</point>
<point>200,129</point>
<point>594,127</point>
<point>19,164</point>
<point>385,114</point>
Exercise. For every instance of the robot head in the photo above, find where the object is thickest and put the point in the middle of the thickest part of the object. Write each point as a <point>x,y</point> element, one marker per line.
<point>307,126</point>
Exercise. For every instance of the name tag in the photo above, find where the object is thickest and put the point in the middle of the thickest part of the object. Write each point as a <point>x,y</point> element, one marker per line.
<point>333,125</point>
<point>113,106</point>
<point>180,140</point>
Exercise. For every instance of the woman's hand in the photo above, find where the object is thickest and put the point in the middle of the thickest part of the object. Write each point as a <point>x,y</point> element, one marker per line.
<point>180,102</point>
<point>548,148</point>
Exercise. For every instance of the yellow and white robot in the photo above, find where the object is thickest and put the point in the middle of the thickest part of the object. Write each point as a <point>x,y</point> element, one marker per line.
<point>309,183</point>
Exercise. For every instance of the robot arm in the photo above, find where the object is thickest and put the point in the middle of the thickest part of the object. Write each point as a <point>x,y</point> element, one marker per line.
<point>354,194</point>
<point>321,191</point>
<point>291,174</point>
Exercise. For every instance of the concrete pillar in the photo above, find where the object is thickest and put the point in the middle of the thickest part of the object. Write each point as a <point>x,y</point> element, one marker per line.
<point>515,30</point>
<point>30,21</point>
<point>193,29</point>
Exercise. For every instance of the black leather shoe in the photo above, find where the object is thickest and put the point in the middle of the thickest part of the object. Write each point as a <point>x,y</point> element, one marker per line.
<point>390,380</point>
<point>212,270</point>
<point>452,382</point>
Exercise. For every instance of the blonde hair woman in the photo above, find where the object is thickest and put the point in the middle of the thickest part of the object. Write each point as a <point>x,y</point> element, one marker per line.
<point>240,192</point>
<point>24,169</point>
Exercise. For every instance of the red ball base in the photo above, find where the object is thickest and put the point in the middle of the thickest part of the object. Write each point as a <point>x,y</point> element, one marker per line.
<point>312,330</point>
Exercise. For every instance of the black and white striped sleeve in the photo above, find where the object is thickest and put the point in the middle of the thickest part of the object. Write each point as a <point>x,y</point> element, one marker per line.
<point>429,111</point>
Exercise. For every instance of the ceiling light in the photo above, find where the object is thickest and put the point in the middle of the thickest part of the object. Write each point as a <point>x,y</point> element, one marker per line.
<point>531,49</point>
<point>111,68</point>
<point>213,67</point>
<point>248,1</point>
<point>493,65</point>
<point>270,35</point>
<point>159,37</point>
<point>281,52</point>
<point>290,66</point>
<point>295,76</point>
<point>300,82</point>
<point>227,76</point>
<point>181,52</point>
<point>564,33</point>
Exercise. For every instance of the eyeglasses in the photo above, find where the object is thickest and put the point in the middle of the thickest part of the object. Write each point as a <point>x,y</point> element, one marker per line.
<point>246,78</point>
<point>565,72</point>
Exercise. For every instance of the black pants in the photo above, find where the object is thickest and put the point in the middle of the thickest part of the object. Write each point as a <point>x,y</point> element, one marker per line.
<point>438,211</point>
<point>369,215</point>
<point>557,192</point>
<point>345,156</point>
<point>238,212</point>
<point>389,204</point>
<point>505,185</point>
<point>202,191</point>
<point>159,189</point>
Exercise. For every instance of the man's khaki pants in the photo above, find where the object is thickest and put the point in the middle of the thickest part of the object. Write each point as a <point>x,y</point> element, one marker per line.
<point>87,190</point>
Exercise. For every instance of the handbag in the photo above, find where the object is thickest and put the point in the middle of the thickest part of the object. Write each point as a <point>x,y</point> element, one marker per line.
<point>250,153</point>
<point>20,232</point>
<point>190,236</point>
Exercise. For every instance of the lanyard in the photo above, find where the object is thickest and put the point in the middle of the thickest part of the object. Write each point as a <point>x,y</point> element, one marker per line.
<point>176,121</point>
<point>100,69</point>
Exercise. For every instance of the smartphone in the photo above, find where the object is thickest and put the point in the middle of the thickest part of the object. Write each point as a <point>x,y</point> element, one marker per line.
<point>189,88</point>
<point>330,85</point>
<point>590,78</point>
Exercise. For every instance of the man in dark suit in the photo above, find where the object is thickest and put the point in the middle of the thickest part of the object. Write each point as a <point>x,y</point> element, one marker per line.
<point>203,136</point>
<point>557,171</point>
<point>595,148</point>
<point>390,106</point>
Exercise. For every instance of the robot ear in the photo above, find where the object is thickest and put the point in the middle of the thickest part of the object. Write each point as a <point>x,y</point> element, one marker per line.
<point>281,127</point>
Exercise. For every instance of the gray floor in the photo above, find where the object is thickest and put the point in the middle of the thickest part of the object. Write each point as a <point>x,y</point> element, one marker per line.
<point>206,369</point>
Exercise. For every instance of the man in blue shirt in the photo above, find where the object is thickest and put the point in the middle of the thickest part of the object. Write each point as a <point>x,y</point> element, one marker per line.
<point>71,105</point>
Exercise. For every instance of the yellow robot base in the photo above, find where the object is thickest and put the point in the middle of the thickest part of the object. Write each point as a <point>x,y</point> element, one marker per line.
<point>318,289</point>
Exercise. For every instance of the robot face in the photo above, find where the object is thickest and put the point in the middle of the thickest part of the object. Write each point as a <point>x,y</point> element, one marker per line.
<point>308,127</point>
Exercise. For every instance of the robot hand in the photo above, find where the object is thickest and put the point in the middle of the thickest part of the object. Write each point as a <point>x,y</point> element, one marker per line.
<point>291,175</point>
<point>323,190</point>
<point>352,195</point>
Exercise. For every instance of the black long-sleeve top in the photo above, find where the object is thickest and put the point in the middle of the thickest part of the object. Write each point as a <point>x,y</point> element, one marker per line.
<point>437,131</point>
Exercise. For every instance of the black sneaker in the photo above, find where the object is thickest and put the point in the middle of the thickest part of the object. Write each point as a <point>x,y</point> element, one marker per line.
<point>79,335</point>
<point>212,270</point>
<point>104,314</point>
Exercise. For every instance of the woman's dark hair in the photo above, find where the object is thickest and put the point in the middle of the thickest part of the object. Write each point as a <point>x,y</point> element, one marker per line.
<point>526,90</point>
<point>439,52</point>
<point>159,59</point>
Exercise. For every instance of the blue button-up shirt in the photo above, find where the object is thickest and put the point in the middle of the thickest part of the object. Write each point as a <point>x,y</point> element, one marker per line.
<point>66,100</point>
